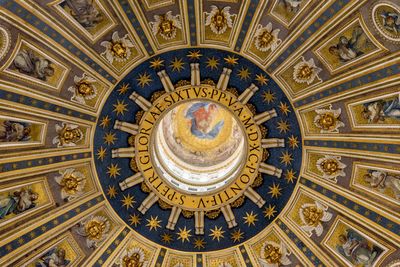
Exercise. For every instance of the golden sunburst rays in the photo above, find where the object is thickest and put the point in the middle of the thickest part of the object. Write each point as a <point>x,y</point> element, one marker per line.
<point>184,234</point>
<point>101,153</point>
<point>261,79</point>
<point>268,96</point>
<point>113,170</point>
<point>244,73</point>
<point>212,63</point>
<point>157,63</point>
<point>134,220</point>
<point>199,243</point>
<point>290,176</point>
<point>105,121</point>
<point>128,201</point>
<point>144,79</point>
<point>237,236</point>
<point>123,88</point>
<point>275,190</point>
<point>284,108</point>
<point>270,211</point>
<point>250,219</point>
<point>177,64</point>
<point>286,158</point>
<point>112,192</point>
<point>194,55</point>
<point>166,238</point>
<point>109,138</point>
<point>283,126</point>
<point>293,142</point>
<point>153,223</point>
<point>231,60</point>
<point>217,233</point>
<point>120,107</point>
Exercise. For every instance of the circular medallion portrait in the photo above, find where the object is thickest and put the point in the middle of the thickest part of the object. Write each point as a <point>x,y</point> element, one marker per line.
<point>386,18</point>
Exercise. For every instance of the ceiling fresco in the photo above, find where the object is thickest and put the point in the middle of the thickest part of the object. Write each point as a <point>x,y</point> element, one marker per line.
<point>178,133</point>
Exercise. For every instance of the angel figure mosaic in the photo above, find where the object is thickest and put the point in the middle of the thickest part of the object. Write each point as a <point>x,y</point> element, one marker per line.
<point>17,202</point>
<point>379,110</point>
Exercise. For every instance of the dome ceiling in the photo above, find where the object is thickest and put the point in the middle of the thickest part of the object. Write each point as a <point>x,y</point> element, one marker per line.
<point>199,133</point>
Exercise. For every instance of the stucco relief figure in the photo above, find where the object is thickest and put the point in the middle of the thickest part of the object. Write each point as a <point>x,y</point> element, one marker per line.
<point>17,202</point>
<point>348,49</point>
<point>357,249</point>
<point>219,19</point>
<point>54,258</point>
<point>95,228</point>
<point>274,255</point>
<point>12,131</point>
<point>378,111</point>
<point>312,216</point>
<point>383,181</point>
<point>166,25</point>
<point>201,116</point>
<point>85,12</point>
<point>134,257</point>
<point>292,6</point>
<point>27,62</point>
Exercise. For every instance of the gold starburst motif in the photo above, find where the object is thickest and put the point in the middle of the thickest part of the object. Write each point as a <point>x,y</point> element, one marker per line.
<point>217,233</point>
<point>120,107</point>
<point>123,88</point>
<point>199,243</point>
<point>244,73</point>
<point>101,153</point>
<point>134,220</point>
<point>144,79</point>
<point>231,60</point>
<point>286,158</point>
<point>184,234</point>
<point>250,218</point>
<point>177,65</point>
<point>109,138</point>
<point>153,223</point>
<point>111,191</point>
<point>113,170</point>
<point>275,190</point>
<point>194,55</point>
<point>270,211</point>
<point>283,126</point>
<point>128,201</point>
<point>284,108</point>
<point>261,79</point>
<point>290,176</point>
<point>293,142</point>
<point>105,122</point>
<point>268,96</point>
<point>166,238</point>
<point>237,235</point>
<point>212,63</point>
<point>156,63</point>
